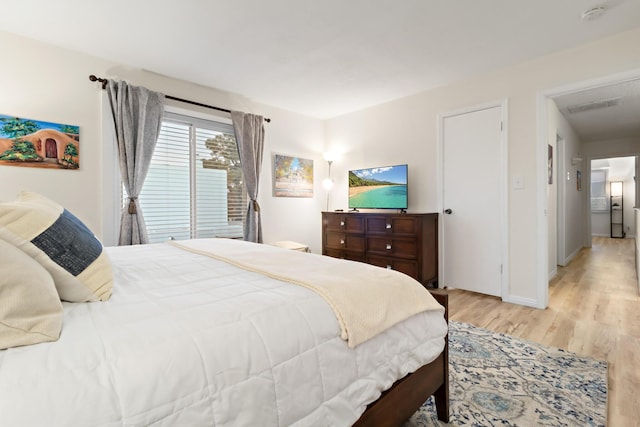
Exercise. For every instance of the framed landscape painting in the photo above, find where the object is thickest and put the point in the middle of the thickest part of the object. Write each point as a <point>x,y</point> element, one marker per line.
<point>550,163</point>
<point>292,176</point>
<point>34,143</point>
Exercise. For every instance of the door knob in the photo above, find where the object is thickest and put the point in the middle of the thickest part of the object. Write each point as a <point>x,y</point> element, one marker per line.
<point>448,211</point>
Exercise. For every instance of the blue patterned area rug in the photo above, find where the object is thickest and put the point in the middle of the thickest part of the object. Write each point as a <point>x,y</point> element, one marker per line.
<point>499,380</point>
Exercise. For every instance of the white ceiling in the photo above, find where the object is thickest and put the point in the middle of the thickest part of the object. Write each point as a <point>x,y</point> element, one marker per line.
<point>617,115</point>
<point>321,58</point>
<point>618,167</point>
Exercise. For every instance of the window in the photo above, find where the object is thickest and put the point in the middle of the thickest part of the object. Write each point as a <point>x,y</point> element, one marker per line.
<point>194,185</point>
<point>599,190</point>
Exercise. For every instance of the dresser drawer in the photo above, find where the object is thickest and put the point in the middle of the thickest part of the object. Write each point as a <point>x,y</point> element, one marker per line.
<point>344,222</point>
<point>406,242</point>
<point>408,267</point>
<point>344,241</point>
<point>342,254</point>
<point>405,248</point>
<point>399,224</point>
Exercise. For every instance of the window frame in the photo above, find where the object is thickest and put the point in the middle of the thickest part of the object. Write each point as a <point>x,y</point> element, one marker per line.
<point>195,120</point>
<point>603,206</point>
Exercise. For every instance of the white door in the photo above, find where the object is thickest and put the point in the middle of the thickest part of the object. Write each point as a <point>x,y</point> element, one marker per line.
<point>472,209</point>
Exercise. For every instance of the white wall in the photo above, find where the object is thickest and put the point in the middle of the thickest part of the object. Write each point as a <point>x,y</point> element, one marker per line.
<point>47,83</point>
<point>51,84</point>
<point>571,226</point>
<point>623,169</point>
<point>405,130</point>
<point>629,204</point>
<point>636,222</point>
<point>552,189</point>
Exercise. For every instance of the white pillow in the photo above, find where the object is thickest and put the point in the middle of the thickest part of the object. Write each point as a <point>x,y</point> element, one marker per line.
<point>30,309</point>
<point>61,243</point>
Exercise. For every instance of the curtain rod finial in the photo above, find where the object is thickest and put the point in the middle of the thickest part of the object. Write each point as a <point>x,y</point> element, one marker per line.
<point>93,78</point>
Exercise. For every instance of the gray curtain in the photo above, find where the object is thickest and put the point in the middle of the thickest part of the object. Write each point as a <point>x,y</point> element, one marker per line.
<point>137,114</point>
<point>249,131</point>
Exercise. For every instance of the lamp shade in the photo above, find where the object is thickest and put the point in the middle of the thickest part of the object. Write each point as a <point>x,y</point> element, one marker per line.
<point>329,156</point>
<point>327,183</point>
<point>616,188</point>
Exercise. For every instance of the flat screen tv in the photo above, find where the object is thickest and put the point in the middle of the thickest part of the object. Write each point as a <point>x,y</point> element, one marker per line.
<point>378,188</point>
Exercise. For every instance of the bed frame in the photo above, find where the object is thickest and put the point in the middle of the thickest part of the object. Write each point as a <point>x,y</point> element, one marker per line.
<point>403,399</point>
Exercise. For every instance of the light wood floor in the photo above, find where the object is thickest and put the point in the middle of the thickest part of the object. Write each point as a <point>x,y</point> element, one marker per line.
<point>594,310</point>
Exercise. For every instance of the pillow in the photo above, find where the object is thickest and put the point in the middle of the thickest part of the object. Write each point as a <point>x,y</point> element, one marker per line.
<point>61,243</point>
<point>30,309</point>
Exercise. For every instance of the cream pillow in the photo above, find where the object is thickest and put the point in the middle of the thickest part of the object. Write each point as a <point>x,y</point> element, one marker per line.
<point>61,243</point>
<point>30,309</point>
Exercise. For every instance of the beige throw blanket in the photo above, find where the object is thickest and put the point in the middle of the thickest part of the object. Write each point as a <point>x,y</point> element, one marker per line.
<point>366,299</point>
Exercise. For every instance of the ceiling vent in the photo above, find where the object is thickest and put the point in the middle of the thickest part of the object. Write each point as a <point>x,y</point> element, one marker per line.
<point>595,105</point>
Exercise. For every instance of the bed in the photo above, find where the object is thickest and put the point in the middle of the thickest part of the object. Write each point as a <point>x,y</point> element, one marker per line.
<point>188,335</point>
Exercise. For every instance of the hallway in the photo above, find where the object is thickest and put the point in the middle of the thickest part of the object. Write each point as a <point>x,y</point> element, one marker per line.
<point>594,310</point>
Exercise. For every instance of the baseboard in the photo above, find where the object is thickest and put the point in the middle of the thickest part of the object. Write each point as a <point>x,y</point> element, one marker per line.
<point>572,256</point>
<point>553,273</point>
<point>600,235</point>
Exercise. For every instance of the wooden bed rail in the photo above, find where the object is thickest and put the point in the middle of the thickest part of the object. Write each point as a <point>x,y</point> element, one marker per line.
<point>403,399</point>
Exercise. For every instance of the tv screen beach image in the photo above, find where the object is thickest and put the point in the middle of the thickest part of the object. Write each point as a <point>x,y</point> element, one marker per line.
<point>381,187</point>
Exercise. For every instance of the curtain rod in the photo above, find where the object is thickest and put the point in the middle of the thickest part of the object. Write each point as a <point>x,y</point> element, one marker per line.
<point>186,101</point>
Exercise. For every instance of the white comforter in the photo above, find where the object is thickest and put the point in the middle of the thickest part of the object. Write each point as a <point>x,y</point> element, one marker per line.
<point>188,340</point>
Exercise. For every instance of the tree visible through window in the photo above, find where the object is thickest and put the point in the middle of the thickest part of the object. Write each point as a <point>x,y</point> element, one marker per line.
<point>194,187</point>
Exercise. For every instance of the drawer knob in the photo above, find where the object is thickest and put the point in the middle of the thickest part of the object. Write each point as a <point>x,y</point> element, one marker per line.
<point>341,223</point>
<point>341,241</point>
<point>388,226</point>
<point>388,246</point>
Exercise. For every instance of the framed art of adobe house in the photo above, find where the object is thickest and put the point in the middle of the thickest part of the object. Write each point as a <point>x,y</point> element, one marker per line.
<point>28,142</point>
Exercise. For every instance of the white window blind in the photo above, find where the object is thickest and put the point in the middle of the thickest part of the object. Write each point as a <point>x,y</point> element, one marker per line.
<point>194,187</point>
<point>599,201</point>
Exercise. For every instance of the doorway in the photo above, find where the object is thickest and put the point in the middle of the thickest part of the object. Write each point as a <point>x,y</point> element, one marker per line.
<point>609,115</point>
<point>607,208</point>
<point>51,149</point>
<point>474,220</point>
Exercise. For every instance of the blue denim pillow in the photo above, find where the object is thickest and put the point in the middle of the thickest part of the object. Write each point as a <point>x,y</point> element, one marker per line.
<point>61,243</point>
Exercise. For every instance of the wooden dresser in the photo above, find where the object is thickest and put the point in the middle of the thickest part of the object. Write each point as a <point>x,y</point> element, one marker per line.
<point>402,242</point>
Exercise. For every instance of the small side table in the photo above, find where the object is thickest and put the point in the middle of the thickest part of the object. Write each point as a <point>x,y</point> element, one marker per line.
<point>294,246</point>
